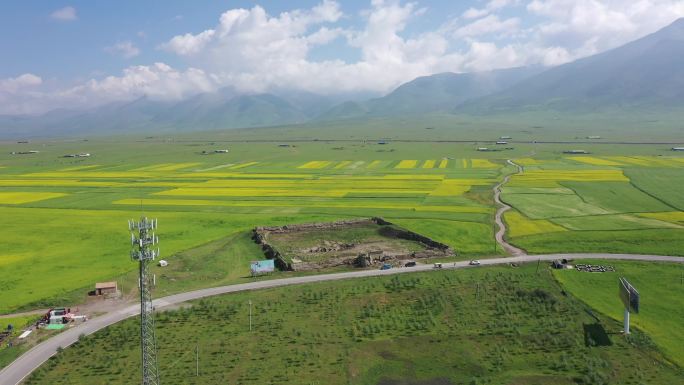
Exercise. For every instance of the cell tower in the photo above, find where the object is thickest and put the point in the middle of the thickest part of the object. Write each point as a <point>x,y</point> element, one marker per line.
<point>142,240</point>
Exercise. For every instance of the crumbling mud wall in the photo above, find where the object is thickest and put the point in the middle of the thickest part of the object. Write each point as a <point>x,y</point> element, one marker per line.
<point>432,249</point>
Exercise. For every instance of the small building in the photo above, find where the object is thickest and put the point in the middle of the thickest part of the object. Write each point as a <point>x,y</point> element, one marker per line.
<point>163,263</point>
<point>501,142</point>
<point>81,155</point>
<point>283,145</point>
<point>483,149</point>
<point>575,152</point>
<point>505,137</point>
<point>102,288</point>
<point>382,142</point>
<point>677,148</point>
<point>594,137</point>
<point>220,151</point>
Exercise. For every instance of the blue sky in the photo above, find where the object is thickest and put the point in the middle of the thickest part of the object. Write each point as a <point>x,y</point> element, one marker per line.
<point>79,54</point>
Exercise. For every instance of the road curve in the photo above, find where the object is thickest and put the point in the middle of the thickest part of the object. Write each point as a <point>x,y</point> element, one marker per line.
<point>498,217</point>
<point>15,372</point>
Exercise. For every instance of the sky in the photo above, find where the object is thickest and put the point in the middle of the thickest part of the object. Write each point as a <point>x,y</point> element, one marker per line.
<point>82,54</point>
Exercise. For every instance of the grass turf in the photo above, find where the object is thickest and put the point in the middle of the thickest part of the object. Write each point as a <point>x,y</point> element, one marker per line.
<point>487,325</point>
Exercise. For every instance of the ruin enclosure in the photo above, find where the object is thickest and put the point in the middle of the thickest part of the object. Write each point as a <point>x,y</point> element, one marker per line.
<point>360,242</point>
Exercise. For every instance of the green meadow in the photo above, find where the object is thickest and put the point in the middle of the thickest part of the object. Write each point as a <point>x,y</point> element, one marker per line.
<point>64,219</point>
<point>497,325</point>
<point>660,287</point>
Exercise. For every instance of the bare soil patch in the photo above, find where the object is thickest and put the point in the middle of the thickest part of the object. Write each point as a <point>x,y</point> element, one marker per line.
<point>360,242</point>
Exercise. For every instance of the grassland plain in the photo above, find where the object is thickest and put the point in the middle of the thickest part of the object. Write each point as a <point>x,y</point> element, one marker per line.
<point>662,304</point>
<point>497,325</point>
<point>58,246</point>
<point>69,240</point>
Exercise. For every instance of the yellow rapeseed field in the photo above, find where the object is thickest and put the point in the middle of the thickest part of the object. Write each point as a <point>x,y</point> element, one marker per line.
<point>549,178</point>
<point>78,168</point>
<point>407,164</point>
<point>520,226</point>
<point>343,164</point>
<point>321,204</point>
<point>429,164</point>
<point>444,163</point>
<point>483,163</point>
<point>56,182</point>
<point>595,161</point>
<point>316,164</point>
<point>16,198</point>
<point>671,216</point>
<point>252,192</point>
<point>174,166</point>
<point>631,160</point>
<point>374,164</point>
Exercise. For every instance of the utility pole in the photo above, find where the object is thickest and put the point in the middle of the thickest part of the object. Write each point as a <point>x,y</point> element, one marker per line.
<point>250,315</point>
<point>197,360</point>
<point>142,240</point>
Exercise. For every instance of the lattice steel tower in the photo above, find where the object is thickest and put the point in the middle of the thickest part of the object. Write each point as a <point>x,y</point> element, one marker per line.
<point>143,239</point>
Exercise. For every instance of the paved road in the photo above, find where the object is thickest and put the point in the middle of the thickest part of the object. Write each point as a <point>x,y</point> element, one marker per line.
<point>503,207</point>
<point>29,361</point>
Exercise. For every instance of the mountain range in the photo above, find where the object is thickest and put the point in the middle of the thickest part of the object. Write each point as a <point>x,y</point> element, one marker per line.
<point>645,74</point>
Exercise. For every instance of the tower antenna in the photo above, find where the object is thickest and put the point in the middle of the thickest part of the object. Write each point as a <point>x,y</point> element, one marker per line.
<point>143,239</point>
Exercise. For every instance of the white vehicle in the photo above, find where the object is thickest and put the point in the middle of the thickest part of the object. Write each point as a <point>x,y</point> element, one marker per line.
<point>474,262</point>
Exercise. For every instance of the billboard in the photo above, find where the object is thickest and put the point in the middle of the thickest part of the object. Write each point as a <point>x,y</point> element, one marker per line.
<point>260,267</point>
<point>629,296</point>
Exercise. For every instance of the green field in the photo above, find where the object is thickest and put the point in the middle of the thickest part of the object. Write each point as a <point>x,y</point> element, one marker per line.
<point>660,289</point>
<point>491,325</point>
<point>611,203</point>
<point>64,218</point>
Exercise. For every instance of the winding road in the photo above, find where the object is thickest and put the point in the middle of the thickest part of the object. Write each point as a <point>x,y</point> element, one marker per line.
<point>498,217</point>
<point>15,372</point>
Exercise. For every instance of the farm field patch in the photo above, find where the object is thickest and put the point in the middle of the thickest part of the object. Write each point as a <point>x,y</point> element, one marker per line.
<point>520,226</point>
<point>662,308</point>
<point>617,196</point>
<point>664,184</point>
<point>79,213</point>
<point>544,206</point>
<point>15,198</point>
<point>381,330</point>
<point>407,164</point>
<point>613,222</point>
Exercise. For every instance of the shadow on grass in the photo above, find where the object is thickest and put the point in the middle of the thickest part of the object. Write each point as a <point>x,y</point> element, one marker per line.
<point>595,335</point>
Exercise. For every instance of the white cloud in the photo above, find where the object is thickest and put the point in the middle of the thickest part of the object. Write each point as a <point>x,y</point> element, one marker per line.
<point>188,44</point>
<point>125,49</point>
<point>586,27</point>
<point>20,82</point>
<point>489,25</point>
<point>64,14</point>
<point>251,50</point>
<point>491,6</point>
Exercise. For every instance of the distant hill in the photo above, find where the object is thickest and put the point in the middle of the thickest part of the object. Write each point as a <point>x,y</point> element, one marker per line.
<point>646,73</point>
<point>436,93</point>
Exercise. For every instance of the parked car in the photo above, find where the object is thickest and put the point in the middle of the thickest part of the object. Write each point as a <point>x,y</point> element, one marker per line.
<point>474,262</point>
<point>410,264</point>
<point>386,266</point>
